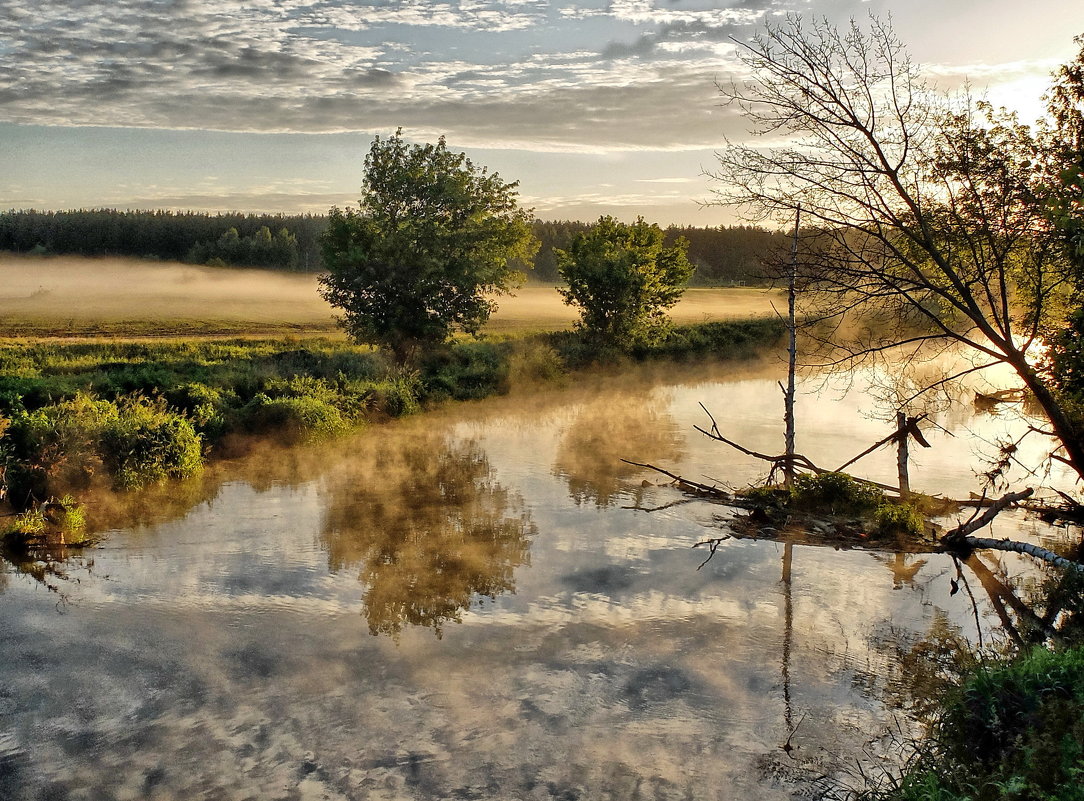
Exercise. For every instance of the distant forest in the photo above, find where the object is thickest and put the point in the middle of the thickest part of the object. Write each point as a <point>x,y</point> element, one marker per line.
<point>723,255</point>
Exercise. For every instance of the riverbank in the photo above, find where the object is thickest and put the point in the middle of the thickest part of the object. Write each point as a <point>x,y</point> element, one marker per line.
<point>127,414</point>
<point>1008,728</point>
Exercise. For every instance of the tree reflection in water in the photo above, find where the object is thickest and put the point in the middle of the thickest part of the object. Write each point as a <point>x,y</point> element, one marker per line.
<point>51,567</point>
<point>429,528</point>
<point>592,447</point>
<point>1043,608</point>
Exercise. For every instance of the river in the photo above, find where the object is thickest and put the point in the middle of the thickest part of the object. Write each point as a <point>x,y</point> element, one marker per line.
<point>476,603</point>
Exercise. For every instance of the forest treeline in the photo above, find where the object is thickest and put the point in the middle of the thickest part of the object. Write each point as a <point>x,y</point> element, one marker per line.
<point>724,255</point>
<point>273,241</point>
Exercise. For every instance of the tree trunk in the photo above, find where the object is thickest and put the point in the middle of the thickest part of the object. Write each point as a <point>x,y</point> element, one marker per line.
<point>901,455</point>
<point>1065,430</point>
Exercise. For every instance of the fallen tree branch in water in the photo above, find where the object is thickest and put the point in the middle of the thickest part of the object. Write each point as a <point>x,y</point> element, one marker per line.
<point>637,508</point>
<point>713,544</point>
<point>957,540</point>
<point>960,539</point>
<point>1038,552</point>
<point>795,459</point>
<point>978,521</point>
<point>716,492</point>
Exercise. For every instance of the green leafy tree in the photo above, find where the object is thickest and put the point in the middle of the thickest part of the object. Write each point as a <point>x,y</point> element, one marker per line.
<point>1065,204</point>
<point>931,234</point>
<point>426,250</point>
<point>623,279</point>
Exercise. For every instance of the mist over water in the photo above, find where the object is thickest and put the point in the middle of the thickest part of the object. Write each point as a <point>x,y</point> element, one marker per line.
<point>476,603</point>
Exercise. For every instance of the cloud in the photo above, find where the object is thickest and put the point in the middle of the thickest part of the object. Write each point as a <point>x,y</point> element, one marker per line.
<point>248,201</point>
<point>323,66</point>
<point>508,73</point>
<point>494,17</point>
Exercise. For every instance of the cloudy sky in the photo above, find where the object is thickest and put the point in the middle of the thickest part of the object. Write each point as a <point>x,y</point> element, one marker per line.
<point>270,105</point>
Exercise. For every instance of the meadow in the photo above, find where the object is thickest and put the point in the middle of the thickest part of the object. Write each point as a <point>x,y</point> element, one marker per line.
<point>85,297</point>
<point>125,372</point>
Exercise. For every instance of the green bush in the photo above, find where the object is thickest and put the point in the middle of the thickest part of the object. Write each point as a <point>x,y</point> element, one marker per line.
<point>395,397</point>
<point>148,442</point>
<point>307,419</point>
<point>900,518</point>
<point>302,386</point>
<point>535,362</point>
<point>63,446</point>
<point>115,379</point>
<point>1010,731</point>
<point>465,371</point>
<point>208,408</point>
<point>775,497</point>
<point>55,522</point>
<point>836,493</point>
<point>55,447</point>
<point>22,526</point>
<point>735,339</point>
<point>578,351</point>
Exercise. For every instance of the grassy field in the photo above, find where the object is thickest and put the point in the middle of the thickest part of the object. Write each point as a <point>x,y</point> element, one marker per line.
<point>126,373</point>
<point>79,297</point>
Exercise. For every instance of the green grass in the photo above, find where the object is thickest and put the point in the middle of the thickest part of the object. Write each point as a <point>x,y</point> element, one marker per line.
<point>133,413</point>
<point>57,522</point>
<point>1010,730</point>
<point>838,495</point>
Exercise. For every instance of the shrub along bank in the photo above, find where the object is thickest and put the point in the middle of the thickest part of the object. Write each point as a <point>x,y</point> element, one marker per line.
<point>1010,730</point>
<point>1005,726</point>
<point>128,414</point>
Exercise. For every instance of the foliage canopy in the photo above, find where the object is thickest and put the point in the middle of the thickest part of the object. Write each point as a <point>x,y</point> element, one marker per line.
<point>623,279</point>
<point>1065,201</point>
<point>431,241</point>
<point>925,215</point>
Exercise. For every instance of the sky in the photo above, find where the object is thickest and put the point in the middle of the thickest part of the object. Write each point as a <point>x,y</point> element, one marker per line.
<point>594,107</point>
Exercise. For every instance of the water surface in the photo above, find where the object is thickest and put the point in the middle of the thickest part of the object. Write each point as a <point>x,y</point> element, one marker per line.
<point>477,604</point>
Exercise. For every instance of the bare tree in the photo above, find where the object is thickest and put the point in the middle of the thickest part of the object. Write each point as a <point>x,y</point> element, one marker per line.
<point>923,213</point>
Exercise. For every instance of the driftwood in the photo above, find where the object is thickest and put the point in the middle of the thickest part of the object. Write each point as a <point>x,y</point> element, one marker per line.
<point>978,521</point>
<point>705,489</point>
<point>985,543</point>
<point>960,537</point>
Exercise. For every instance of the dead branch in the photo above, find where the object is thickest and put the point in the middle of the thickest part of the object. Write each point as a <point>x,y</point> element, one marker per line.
<point>684,482</point>
<point>679,502</point>
<point>978,521</point>
<point>1022,547</point>
<point>911,429</point>
<point>796,458</point>
<point>713,544</point>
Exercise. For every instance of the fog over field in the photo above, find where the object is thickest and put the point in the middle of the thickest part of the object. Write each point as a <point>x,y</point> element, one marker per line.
<point>61,289</point>
<point>81,295</point>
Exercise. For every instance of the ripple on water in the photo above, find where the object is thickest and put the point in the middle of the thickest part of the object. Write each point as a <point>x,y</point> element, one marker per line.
<point>464,605</point>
